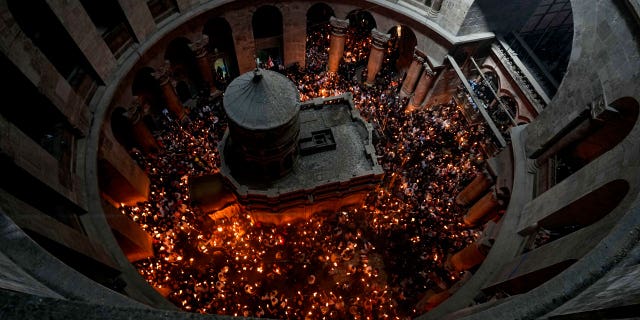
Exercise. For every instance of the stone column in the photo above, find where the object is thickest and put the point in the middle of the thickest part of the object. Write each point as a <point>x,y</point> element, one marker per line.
<point>469,257</point>
<point>163,75</point>
<point>140,131</point>
<point>482,210</point>
<point>425,83</point>
<point>199,47</point>
<point>336,47</point>
<point>409,83</point>
<point>475,189</point>
<point>376,55</point>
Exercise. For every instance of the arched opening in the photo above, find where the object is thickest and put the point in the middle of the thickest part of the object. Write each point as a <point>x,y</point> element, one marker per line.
<point>121,128</point>
<point>222,50</point>
<point>39,23</point>
<point>358,38</point>
<point>184,66</point>
<point>503,112</point>
<point>581,213</point>
<point>267,32</point>
<point>599,135</point>
<point>402,43</point>
<point>318,31</point>
<point>148,89</point>
<point>318,15</point>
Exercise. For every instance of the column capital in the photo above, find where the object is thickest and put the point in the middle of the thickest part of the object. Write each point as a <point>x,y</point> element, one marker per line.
<point>135,112</point>
<point>419,56</point>
<point>428,70</point>
<point>163,73</point>
<point>199,46</point>
<point>338,26</point>
<point>379,39</point>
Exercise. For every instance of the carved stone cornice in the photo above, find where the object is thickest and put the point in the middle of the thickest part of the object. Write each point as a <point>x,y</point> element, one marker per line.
<point>338,26</point>
<point>379,39</point>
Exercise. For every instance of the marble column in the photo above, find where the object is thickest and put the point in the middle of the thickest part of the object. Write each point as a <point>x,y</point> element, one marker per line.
<point>475,189</point>
<point>409,83</point>
<point>483,209</point>
<point>336,46</point>
<point>140,131</point>
<point>467,258</point>
<point>163,75</point>
<point>199,47</point>
<point>425,83</point>
<point>376,55</point>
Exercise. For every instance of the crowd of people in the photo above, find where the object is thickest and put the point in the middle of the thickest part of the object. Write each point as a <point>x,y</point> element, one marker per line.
<point>371,262</point>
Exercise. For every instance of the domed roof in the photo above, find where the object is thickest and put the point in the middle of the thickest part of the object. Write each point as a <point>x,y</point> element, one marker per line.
<point>261,100</point>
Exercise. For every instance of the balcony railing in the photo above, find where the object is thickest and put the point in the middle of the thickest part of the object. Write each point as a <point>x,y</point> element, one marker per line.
<point>534,92</point>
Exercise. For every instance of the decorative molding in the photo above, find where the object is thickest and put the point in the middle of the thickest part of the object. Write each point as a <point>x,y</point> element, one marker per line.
<point>379,39</point>
<point>199,46</point>
<point>338,26</point>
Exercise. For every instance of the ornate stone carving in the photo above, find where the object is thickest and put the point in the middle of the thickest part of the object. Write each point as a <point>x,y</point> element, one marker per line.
<point>163,73</point>
<point>199,46</point>
<point>338,26</point>
<point>379,39</point>
<point>428,70</point>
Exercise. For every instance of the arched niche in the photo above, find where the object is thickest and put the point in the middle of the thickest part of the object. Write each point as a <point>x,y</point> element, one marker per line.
<point>184,66</point>
<point>362,21</point>
<point>597,136</point>
<point>318,15</point>
<point>222,49</point>
<point>267,33</point>
<point>402,44</point>
<point>358,38</point>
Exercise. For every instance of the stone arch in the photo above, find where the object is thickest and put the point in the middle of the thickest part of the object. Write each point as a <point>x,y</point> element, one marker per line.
<point>319,14</point>
<point>403,42</point>
<point>318,31</point>
<point>509,101</point>
<point>221,48</point>
<point>268,35</point>
<point>361,22</point>
<point>184,66</point>
<point>522,120</point>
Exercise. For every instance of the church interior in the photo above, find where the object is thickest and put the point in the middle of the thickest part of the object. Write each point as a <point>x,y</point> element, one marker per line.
<point>302,159</point>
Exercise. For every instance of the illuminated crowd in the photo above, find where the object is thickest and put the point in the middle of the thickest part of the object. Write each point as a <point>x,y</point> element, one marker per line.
<point>372,262</point>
